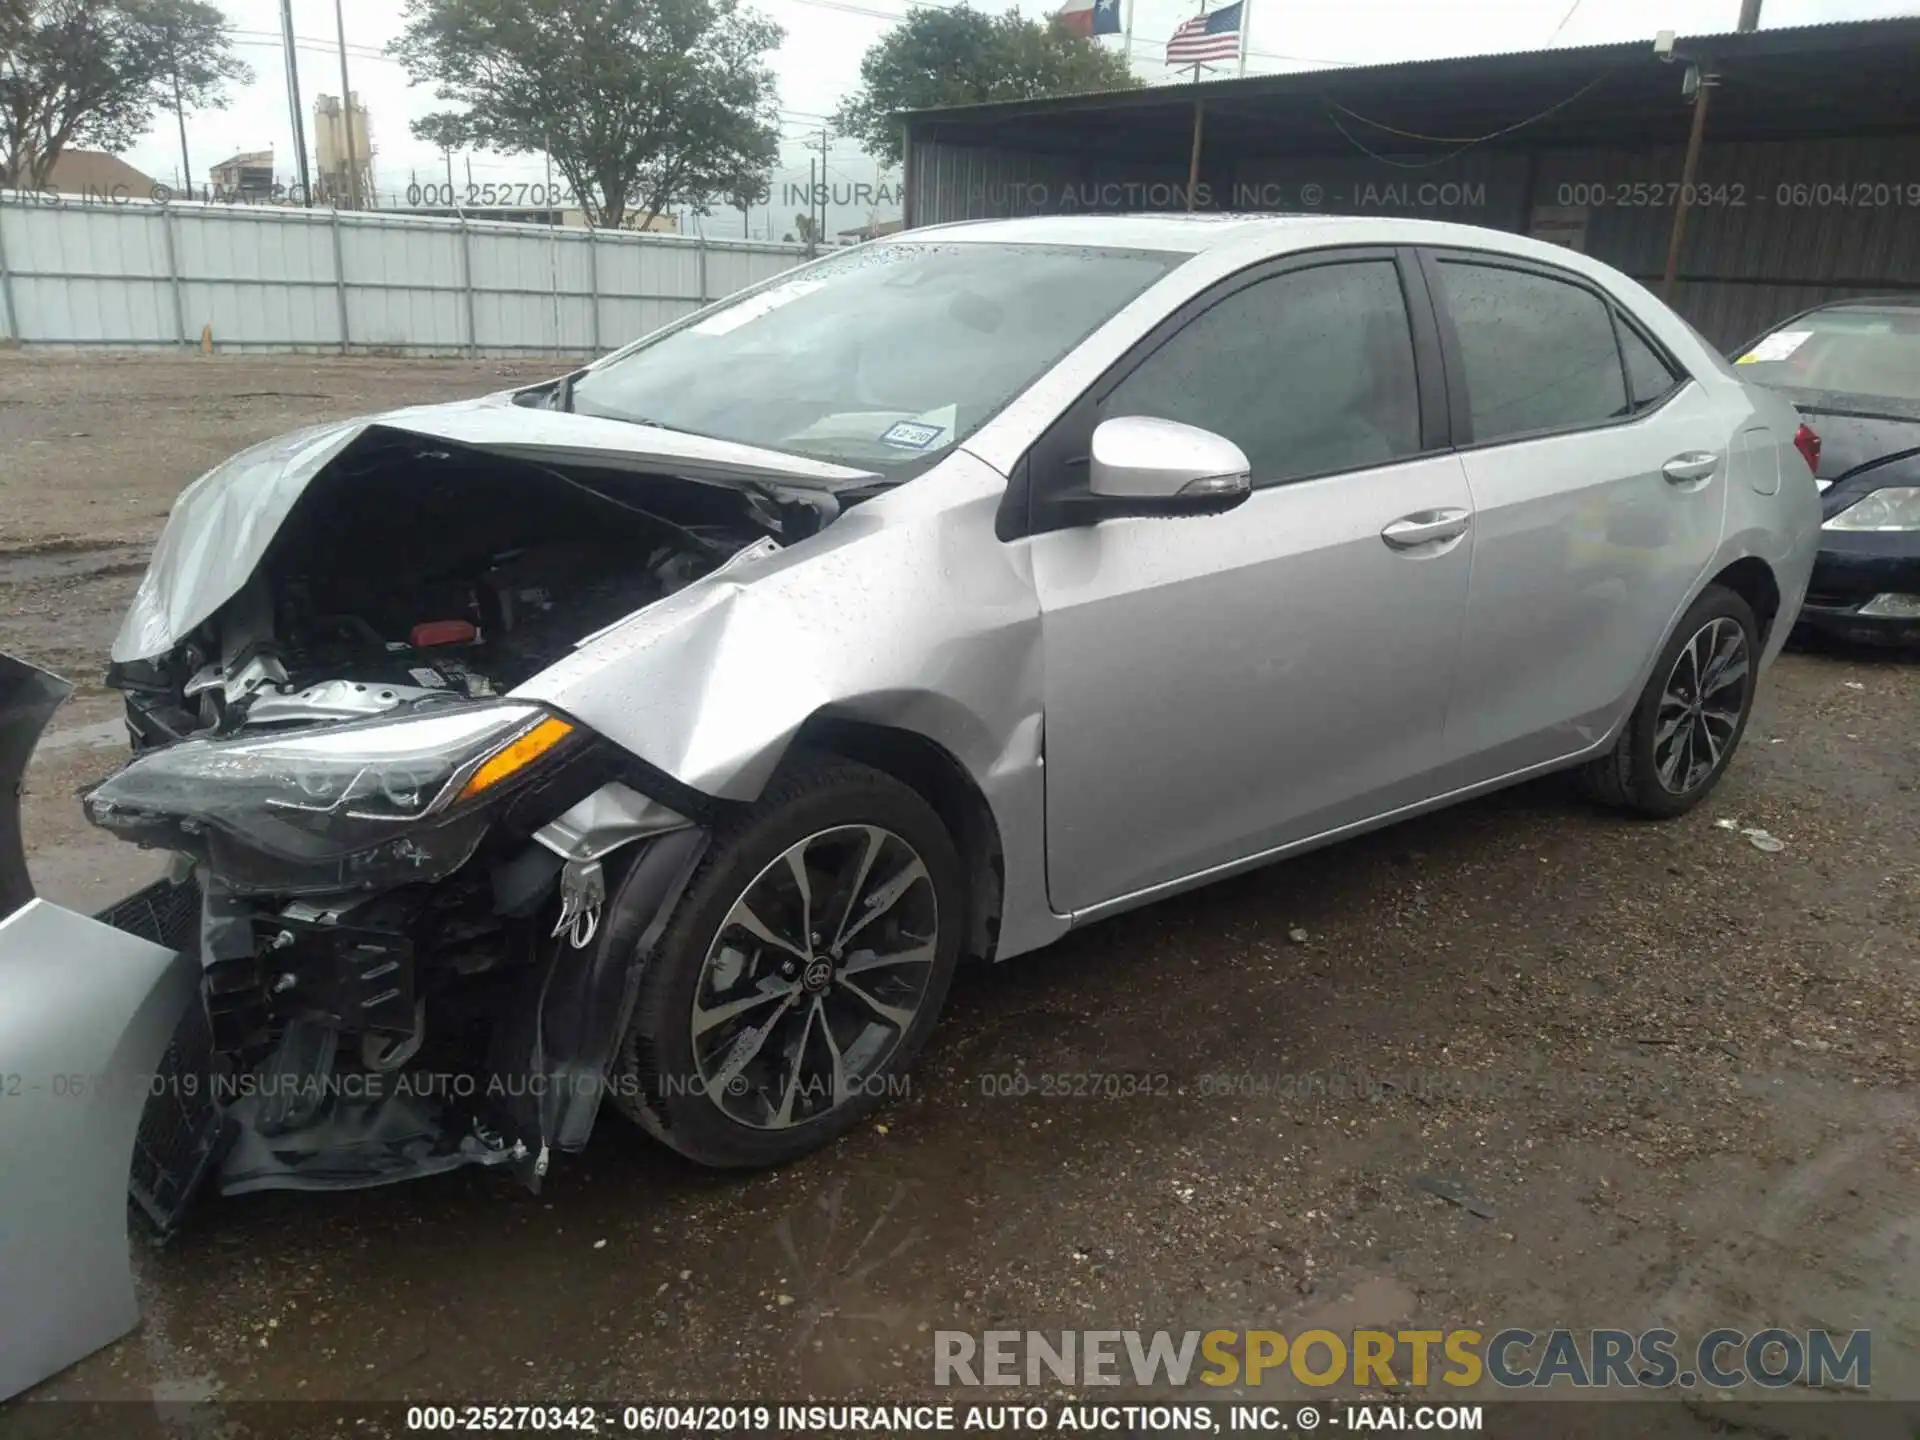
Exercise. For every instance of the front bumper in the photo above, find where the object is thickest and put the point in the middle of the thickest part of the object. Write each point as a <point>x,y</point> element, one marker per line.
<point>1849,572</point>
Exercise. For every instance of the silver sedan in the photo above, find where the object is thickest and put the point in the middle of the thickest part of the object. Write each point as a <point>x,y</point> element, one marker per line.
<point>667,733</point>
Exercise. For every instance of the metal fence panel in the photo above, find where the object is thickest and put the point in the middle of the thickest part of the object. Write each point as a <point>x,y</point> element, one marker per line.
<point>137,274</point>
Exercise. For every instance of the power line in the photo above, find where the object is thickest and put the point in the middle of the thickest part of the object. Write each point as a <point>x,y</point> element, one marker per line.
<point>1464,139</point>
<point>353,47</point>
<point>327,50</point>
<point>1463,145</point>
<point>1563,23</point>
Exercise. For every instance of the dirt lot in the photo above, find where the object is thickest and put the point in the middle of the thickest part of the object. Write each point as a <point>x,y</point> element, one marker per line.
<point>1674,1075</point>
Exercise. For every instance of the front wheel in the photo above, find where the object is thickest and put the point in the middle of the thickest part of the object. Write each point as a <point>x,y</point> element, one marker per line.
<point>802,972</point>
<point>1689,720</point>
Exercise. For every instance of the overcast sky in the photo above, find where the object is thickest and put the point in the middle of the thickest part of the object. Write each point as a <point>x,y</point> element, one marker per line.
<point>819,63</point>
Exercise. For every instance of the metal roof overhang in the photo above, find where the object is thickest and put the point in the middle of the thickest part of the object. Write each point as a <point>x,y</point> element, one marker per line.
<point>1852,78</point>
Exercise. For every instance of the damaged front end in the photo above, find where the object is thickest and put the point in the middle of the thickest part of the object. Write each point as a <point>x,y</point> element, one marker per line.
<point>423,901</point>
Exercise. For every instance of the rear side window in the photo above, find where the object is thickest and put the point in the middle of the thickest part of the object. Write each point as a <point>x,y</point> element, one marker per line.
<point>1539,353</point>
<point>1309,372</point>
<point>1649,378</point>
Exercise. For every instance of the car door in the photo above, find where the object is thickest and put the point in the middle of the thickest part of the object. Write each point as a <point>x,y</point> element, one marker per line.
<point>1219,687</point>
<point>1599,480</point>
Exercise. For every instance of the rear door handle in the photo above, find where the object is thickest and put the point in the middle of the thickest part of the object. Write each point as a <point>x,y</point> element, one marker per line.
<point>1425,527</point>
<point>1690,466</point>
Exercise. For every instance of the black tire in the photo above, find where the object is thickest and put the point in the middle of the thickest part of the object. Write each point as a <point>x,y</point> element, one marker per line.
<point>655,1074</point>
<point>1628,777</point>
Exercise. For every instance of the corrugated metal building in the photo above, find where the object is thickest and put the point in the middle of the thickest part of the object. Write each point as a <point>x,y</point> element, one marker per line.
<point>1807,187</point>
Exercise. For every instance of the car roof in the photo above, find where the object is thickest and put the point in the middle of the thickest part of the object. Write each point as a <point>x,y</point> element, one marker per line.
<point>1193,233</point>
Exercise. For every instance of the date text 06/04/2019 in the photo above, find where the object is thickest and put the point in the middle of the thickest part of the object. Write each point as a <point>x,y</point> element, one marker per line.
<point>1114,1418</point>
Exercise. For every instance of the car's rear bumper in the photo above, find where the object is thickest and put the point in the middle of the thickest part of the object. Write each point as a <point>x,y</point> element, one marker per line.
<point>1850,573</point>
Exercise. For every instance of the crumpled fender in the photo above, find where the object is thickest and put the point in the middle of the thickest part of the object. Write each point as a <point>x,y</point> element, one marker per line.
<point>85,1013</point>
<point>896,614</point>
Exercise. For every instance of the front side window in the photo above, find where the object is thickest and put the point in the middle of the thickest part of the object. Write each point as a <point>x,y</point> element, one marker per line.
<point>1308,372</point>
<point>1539,353</point>
<point>881,359</point>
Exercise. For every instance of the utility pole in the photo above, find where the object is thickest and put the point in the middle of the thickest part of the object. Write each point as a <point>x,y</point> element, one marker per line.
<point>346,111</point>
<point>1704,81</point>
<point>180,110</point>
<point>813,184</point>
<point>1696,133</point>
<point>821,231</point>
<point>293,102</point>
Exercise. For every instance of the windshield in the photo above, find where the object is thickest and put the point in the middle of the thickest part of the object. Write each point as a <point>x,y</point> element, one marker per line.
<point>1869,350</point>
<point>880,359</point>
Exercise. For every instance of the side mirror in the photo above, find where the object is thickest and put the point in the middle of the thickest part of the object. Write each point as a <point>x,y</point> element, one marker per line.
<point>1145,466</point>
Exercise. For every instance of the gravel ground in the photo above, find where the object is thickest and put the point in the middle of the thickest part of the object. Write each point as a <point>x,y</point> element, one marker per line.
<point>1674,1076</point>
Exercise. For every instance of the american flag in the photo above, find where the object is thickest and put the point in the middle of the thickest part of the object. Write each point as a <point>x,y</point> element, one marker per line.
<point>1207,37</point>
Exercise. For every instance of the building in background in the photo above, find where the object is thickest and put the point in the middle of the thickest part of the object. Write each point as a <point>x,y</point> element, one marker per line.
<point>662,224</point>
<point>98,175</point>
<point>341,183</point>
<point>872,230</point>
<point>1806,187</point>
<point>246,178</point>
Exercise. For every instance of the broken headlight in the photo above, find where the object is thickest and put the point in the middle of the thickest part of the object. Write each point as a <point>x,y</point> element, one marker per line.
<point>367,805</point>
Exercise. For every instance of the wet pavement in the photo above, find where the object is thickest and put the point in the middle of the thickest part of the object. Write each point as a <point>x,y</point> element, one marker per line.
<point>1522,1063</point>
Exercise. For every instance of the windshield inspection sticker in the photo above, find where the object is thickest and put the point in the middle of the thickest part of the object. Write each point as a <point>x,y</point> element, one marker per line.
<point>912,434</point>
<point>1777,346</point>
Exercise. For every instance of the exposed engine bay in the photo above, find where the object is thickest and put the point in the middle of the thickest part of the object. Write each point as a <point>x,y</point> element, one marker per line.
<point>420,899</point>
<point>411,572</point>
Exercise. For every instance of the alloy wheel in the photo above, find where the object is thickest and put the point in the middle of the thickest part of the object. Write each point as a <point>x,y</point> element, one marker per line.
<point>815,976</point>
<point>1701,705</point>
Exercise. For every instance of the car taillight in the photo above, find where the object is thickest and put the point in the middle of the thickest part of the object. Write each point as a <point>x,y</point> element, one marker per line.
<point>1808,444</point>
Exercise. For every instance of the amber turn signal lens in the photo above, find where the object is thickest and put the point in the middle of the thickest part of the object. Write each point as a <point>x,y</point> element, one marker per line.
<point>517,756</point>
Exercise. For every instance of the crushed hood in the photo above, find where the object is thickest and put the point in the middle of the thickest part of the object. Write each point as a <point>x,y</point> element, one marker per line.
<point>222,524</point>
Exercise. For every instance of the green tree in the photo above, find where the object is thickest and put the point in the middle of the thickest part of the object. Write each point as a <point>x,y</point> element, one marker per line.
<point>96,72</point>
<point>963,56</point>
<point>643,104</point>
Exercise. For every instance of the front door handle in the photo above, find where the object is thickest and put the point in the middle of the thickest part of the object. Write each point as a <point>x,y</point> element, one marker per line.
<point>1425,527</point>
<point>1690,466</point>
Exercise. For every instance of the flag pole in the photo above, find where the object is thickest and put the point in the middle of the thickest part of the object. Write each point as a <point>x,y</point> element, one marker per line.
<point>1199,124</point>
<point>1126,37</point>
<point>1246,12</point>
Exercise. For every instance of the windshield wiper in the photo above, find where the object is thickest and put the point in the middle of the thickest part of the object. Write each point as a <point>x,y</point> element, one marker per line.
<point>564,397</point>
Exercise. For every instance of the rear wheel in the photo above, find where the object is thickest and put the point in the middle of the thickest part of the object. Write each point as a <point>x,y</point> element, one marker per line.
<point>1689,720</point>
<point>802,973</point>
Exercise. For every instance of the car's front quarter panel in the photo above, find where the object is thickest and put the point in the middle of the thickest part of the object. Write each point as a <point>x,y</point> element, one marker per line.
<point>906,612</point>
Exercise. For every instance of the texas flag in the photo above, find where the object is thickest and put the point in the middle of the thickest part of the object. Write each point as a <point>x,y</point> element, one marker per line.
<point>1087,18</point>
